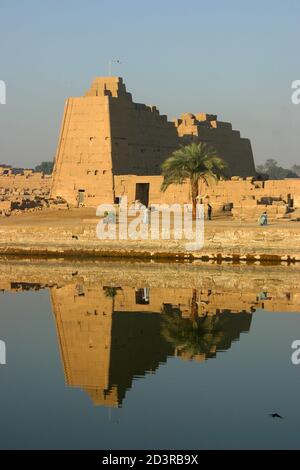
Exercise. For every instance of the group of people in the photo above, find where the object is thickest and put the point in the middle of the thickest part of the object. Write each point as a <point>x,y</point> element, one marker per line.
<point>111,218</point>
<point>262,220</point>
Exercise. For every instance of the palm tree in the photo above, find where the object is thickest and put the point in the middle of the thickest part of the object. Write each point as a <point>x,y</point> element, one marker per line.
<point>196,162</point>
<point>111,292</point>
<point>192,337</point>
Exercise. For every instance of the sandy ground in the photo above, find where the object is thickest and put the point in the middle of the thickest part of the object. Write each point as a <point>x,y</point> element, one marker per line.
<point>73,233</point>
<point>84,215</point>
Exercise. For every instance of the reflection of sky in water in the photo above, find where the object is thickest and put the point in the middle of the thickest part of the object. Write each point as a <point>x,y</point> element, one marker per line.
<point>222,402</point>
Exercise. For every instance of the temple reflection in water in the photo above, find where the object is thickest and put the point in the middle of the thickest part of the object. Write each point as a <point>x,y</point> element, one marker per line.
<point>119,321</point>
<point>110,335</point>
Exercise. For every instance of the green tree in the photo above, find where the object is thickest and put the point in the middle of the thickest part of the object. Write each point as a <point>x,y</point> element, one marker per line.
<point>196,163</point>
<point>110,292</point>
<point>271,165</point>
<point>260,168</point>
<point>296,169</point>
<point>195,335</point>
<point>45,167</point>
<point>271,170</point>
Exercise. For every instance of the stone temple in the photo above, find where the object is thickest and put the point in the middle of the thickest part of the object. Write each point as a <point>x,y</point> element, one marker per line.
<point>110,146</point>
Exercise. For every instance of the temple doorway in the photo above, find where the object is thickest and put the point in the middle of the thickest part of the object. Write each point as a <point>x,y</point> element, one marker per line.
<point>142,193</point>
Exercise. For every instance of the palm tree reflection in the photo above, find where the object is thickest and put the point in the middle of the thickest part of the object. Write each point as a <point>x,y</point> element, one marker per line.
<point>199,335</point>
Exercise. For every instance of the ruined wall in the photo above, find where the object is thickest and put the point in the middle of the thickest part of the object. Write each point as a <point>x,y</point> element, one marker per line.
<point>236,151</point>
<point>247,196</point>
<point>105,133</point>
<point>26,186</point>
<point>27,181</point>
<point>125,185</point>
<point>141,138</point>
<point>83,159</point>
<point>280,198</point>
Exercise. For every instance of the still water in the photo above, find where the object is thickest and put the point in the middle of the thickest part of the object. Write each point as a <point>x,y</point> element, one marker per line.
<point>103,365</point>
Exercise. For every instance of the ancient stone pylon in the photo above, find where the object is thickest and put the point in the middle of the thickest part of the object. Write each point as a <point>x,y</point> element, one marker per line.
<point>104,134</point>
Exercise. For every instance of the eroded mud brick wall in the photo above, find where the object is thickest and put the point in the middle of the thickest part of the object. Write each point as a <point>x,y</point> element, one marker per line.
<point>105,135</point>
<point>83,165</point>
<point>141,138</point>
<point>245,195</point>
<point>19,185</point>
<point>27,182</point>
<point>236,151</point>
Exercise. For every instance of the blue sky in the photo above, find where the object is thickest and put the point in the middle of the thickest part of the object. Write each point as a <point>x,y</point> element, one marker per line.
<point>233,58</point>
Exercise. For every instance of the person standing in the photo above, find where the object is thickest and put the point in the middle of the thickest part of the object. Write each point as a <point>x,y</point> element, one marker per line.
<point>209,211</point>
<point>146,215</point>
<point>263,219</point>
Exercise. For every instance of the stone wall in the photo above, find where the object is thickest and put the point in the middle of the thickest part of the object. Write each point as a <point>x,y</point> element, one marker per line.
<point>247,197</point>
<point>236,151</point>
<point>141,138</point>
<point>18,189</point>
<point>83,160</point>
<point>106,134</point>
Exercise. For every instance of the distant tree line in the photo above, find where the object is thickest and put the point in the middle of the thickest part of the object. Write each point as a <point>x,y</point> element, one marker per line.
<point>45,167</point>
<point>271,170</point>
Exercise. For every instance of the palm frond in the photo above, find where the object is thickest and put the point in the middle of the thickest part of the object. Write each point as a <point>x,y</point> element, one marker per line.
<point>194,161</point>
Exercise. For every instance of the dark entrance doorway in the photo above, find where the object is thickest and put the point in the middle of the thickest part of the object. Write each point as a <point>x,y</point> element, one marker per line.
<point>142,193</point>
<point>80,197</point>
